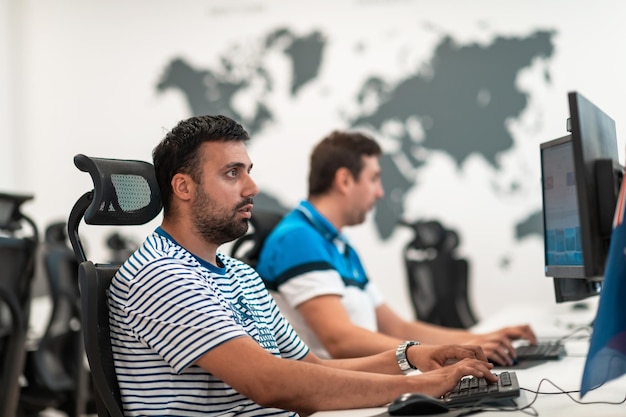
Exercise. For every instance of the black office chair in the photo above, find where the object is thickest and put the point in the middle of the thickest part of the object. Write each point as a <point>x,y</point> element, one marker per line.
<point>438,280</point>
<point>17,259</point>
<point>248,247</point>
<point>125,193</point>
<point>54,371</point>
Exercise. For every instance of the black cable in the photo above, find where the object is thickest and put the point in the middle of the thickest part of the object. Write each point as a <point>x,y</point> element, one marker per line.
<point>568,393</point>
<point>529,409</point>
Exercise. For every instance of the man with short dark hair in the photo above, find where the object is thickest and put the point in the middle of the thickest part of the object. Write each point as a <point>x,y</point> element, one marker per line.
<point>318,279</point>
<point>195,333</point>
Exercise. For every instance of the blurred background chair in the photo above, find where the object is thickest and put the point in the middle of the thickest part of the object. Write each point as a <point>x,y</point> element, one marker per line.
<point>248,247</point>
<point>125,193</point>
<point>18,248</point>
<point>120,247</point>
<point>438,279</point>
<point>55,372</point>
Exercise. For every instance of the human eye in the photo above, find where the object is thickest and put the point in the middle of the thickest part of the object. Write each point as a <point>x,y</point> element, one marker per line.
<point>236,171</point>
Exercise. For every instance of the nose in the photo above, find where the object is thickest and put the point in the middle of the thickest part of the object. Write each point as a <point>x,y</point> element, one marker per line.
<point>250,189</point>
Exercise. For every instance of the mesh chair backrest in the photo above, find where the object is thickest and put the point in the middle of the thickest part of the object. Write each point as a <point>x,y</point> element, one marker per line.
<point>263,222</point>
<point>59,356</point>
<point>125,193</point>
<point>10,215</point>
<point>94,282</point>
<point>17,257</point>
<point>439,291</point>
<point>437,278</point>
<point>16,273</point>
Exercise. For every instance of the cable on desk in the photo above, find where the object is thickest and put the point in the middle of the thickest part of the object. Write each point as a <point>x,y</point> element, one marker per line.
<point>568,393</point>
<point>571,334</point>
<point>530,410</point>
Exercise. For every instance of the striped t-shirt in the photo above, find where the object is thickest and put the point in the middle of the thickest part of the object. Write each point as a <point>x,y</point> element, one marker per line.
<point>167,309</point>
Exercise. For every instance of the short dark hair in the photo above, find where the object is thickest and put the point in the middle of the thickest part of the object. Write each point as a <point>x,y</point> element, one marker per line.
<point>177,152</point>
<point>340,149</point>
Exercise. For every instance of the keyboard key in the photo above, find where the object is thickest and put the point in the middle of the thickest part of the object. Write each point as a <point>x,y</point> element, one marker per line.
<point>540,351</point>
<point>471,391</point>
<point>505,379</point>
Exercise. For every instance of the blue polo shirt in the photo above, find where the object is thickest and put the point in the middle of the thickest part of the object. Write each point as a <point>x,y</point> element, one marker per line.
<point>306,257</point>
<point>306,241</point>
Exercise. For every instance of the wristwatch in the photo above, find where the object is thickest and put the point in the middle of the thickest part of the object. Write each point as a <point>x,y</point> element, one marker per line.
<point>403,361</point>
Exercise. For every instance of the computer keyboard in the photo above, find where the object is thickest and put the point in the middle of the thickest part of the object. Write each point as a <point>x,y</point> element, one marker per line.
<point>540,351</point>
<point>472,391</point>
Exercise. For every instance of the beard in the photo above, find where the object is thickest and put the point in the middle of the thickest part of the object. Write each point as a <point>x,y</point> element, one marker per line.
<point>217,224</point>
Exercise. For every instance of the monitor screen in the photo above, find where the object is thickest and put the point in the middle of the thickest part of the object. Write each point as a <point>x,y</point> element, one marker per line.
<point>581,177</point>
<point>563,246</point>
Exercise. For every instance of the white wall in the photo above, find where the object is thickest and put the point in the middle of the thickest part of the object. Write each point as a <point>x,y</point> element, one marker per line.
<point>7,174</point>
<point>85,83</point>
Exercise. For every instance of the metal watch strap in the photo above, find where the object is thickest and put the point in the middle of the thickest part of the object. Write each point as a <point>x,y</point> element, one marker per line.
<point>403,361</point>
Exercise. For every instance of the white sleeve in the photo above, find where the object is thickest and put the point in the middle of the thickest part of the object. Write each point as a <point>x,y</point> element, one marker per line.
<point>310,285</point>
<point>375,294</point>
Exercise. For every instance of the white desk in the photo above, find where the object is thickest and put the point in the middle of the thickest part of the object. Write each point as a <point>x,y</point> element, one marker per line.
<point>552,322</point>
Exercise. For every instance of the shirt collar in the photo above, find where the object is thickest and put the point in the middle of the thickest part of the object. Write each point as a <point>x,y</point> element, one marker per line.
<point>321,223</point>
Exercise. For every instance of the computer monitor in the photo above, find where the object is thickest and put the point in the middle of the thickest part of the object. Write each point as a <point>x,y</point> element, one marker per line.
<point>581,175</point>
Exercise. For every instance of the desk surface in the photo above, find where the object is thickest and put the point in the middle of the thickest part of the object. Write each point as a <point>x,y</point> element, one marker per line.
<point>550,377</point>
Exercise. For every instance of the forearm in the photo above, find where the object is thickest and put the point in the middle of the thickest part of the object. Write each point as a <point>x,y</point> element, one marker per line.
<point>345,389</point>
<point>429,333</point>
<point>307,385</point>
<point>356,342</point>
<point>383,363</point>
<point>342,389</point>
<point>328,318</point>
<point>311,385</point>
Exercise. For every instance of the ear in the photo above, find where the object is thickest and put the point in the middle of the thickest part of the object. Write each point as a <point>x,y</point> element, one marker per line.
<point>183,187</point>
<point>343,179</point>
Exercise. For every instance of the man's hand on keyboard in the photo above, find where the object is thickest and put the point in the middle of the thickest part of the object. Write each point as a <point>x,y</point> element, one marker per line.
<point>429,357</point>
<point>441,381</point>
<point>498,345</point>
